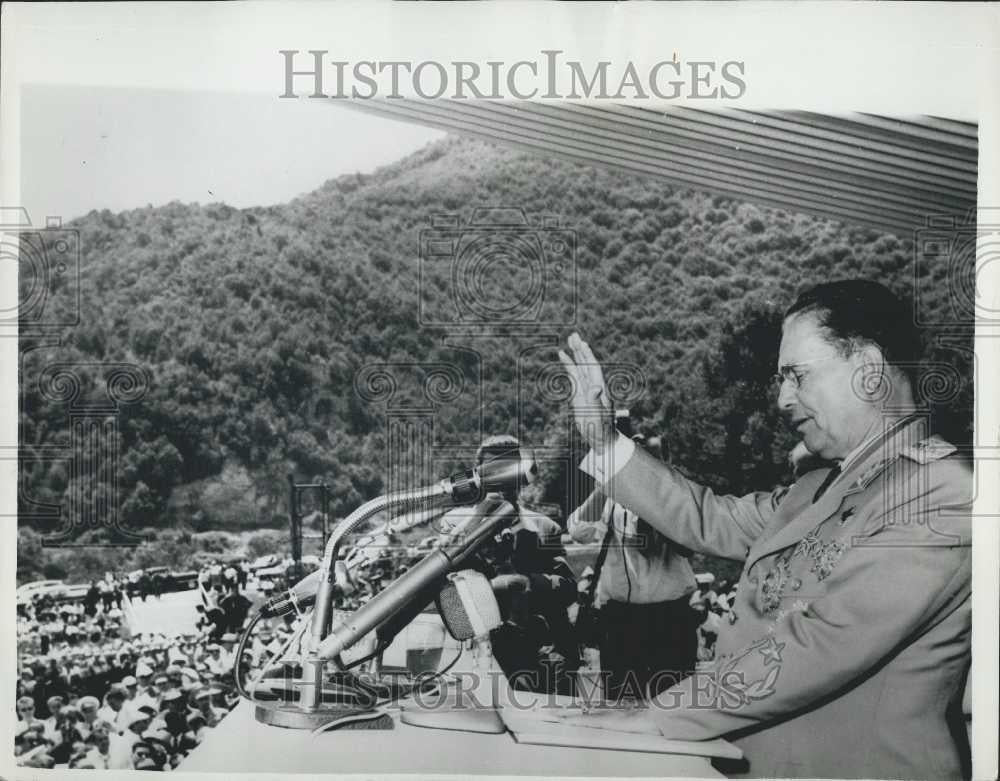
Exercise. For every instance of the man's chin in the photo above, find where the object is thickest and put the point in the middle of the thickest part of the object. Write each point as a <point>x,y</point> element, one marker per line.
<point>815,448</point>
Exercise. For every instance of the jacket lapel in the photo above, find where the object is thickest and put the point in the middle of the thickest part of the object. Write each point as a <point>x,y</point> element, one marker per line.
<point>802,516</point>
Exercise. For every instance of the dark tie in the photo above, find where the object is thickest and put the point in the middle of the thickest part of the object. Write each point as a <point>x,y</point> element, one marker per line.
<point>834,473</point>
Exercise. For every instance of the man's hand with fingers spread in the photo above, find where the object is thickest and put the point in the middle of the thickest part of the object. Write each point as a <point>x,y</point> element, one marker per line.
<point>591,405</point>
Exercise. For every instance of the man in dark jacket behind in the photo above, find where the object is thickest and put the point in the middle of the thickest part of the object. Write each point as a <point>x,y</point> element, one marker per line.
<point>534,585</point>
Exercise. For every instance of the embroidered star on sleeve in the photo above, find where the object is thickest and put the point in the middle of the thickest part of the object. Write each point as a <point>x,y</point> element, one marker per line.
<point>771,651</point>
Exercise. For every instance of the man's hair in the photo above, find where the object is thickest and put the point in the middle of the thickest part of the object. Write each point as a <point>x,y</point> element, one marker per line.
<point>858,312</point>
<point>498,446</point>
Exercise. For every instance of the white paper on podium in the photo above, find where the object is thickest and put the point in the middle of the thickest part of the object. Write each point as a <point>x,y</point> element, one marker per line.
<point>552,720</point>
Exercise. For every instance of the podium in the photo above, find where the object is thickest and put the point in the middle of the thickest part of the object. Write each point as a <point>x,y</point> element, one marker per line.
<point>241,744</point>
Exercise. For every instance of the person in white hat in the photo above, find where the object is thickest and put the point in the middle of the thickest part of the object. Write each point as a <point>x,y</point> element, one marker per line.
<point>131,687</point>
<point>162,683</point>
<point>88,710</point>
<point>100,739</point>
<point>26,712</point>
<point>146,693</point>
<point>113,711</point>
<point>51,730</point>
<point>705,594</point>
<point>216,666</point>
<point>175,701</point>
<point>136,722</point>
<point>203,702</point>
<point>190,680</point>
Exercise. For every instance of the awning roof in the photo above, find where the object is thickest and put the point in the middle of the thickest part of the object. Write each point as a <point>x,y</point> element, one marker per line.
<point>891,174</point>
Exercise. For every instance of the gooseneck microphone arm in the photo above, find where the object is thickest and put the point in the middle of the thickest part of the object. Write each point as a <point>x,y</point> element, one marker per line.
<point>463,488</point>
<point>489,518</point>
<point>420,497</point>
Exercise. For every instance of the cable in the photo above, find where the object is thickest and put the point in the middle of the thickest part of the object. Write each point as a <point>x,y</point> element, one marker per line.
<point>440,673</point>
<point>296,636</point>
<point>239,658</point>
<point>422,683</point>
<point>376,711</point>
<point>379,648</point>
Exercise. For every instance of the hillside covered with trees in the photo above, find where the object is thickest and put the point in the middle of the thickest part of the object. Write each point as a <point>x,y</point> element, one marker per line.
<point>257,330</point>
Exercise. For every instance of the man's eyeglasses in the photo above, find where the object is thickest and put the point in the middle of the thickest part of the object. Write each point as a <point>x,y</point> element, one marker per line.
<point>796,373</point>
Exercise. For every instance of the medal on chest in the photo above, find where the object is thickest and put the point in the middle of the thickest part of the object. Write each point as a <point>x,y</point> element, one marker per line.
<point>823,555</point>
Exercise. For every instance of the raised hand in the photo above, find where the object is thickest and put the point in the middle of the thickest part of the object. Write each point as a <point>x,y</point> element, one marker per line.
<point>591,404</point>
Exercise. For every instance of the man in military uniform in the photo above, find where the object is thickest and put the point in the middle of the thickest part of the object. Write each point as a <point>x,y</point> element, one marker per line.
<point>851,626</point>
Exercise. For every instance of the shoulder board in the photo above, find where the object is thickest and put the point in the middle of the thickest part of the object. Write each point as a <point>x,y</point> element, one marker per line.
<point>933,448</point>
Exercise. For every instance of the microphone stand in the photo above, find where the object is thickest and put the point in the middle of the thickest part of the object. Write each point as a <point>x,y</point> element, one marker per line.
<point>310,710</point>
<point>438,494</point>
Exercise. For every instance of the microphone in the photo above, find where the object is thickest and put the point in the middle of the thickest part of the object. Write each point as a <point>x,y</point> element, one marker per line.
<point>464,600</point>
<point>468,606</point>
<point>489,517</point>
<point>469,612</point>
<point>303,593</point>
<point>501,475</point>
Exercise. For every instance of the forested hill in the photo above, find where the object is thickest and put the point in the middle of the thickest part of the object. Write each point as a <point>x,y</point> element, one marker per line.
<point>252,326</point>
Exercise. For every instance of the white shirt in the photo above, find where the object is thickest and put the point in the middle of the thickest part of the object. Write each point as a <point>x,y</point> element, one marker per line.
<point>50,730</point>
<point>635,570</point>
<point>120,750</point>
<point>113,718</point>
<point>217,666</point>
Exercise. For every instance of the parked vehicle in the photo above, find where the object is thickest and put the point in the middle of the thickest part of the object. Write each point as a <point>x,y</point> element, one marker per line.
<point>28,591</point>
<point>264,562</point>
<point>74,593</point>
<point>171,580</point>
<point>183,580</point>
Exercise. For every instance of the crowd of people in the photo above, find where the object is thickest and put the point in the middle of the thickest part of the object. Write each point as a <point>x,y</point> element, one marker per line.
<point>91,694</point>
<point>712,604</point>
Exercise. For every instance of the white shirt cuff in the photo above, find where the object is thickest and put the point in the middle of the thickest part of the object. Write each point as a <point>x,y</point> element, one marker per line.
<point>603,468</point>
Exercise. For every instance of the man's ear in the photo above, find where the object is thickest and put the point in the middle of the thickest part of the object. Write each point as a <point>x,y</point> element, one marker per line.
<point>872,381</point>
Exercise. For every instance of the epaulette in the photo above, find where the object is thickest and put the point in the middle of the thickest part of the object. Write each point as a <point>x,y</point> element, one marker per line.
<point>930,449</point>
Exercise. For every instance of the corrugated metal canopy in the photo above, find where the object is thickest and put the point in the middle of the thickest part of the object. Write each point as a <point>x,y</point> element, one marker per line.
<point>886,173</point>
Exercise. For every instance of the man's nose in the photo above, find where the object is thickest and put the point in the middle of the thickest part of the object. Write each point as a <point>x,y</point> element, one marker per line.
<point>786,395</point>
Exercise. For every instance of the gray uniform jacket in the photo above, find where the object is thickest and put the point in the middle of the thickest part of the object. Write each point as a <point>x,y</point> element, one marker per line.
<point>851,629</point>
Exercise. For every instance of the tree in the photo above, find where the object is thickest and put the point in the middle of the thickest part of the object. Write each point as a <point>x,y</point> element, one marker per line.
<point>266,542</point>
